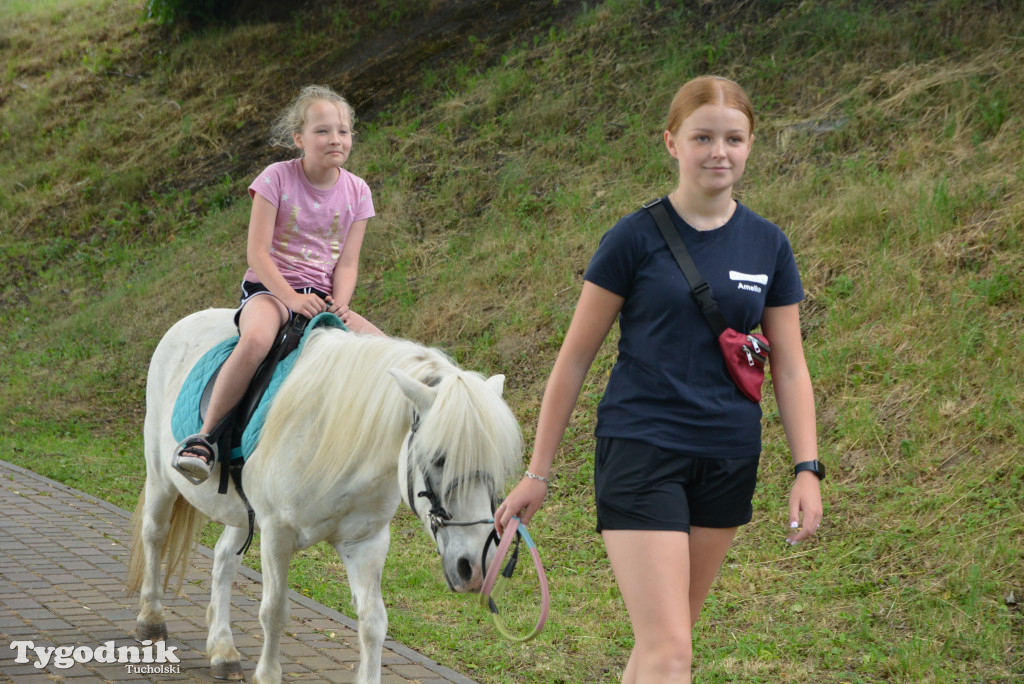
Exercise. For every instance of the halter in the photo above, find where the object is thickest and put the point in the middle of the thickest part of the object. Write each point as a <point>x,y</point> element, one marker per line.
<point>438,515</point>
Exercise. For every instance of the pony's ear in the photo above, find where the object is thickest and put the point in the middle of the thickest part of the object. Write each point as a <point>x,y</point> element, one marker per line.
<point>421,395</point>
<point>497,383</point>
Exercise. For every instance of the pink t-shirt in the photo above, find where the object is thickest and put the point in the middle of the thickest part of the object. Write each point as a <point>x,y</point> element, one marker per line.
<point>312,224</point>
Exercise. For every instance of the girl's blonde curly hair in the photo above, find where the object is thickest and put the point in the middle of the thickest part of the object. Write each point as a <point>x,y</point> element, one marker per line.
<point>293,118</point>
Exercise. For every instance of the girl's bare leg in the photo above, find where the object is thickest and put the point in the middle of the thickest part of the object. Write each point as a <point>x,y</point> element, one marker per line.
<point>664,578</point>
<point>358,324</point>
<point>259,323</point>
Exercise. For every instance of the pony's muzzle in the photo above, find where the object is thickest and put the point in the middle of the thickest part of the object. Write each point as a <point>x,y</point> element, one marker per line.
<point>465,576</point>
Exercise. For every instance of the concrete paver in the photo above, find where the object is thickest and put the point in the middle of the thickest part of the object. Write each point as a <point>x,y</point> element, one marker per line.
<point>63,567</point>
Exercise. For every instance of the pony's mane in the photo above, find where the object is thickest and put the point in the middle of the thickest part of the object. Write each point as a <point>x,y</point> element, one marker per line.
<point>342,413</point>
<point>471,424</point>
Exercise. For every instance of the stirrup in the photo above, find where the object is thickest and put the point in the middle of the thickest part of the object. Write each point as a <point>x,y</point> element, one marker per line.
<point>201,439</point>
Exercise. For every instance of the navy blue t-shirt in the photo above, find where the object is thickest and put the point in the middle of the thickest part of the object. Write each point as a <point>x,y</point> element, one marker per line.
<point>669,386</point>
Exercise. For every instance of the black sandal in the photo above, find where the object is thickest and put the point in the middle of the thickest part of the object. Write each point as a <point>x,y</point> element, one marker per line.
<point>194,458</point>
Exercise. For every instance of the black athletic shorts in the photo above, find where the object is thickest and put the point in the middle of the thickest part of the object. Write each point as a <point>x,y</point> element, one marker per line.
<point>250,289</point>
<point>643,487</point>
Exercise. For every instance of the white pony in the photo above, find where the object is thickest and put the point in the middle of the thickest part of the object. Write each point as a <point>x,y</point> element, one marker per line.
<point>360,424</point>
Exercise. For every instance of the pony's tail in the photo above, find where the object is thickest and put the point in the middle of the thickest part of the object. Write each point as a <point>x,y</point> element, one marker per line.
<point>177,548</point>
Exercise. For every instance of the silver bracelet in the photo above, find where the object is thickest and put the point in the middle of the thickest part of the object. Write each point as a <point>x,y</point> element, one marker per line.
<point>537,477</point>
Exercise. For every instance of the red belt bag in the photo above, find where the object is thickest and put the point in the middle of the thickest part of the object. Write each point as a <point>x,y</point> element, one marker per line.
<point>745,358</point>
<point>745,353</point>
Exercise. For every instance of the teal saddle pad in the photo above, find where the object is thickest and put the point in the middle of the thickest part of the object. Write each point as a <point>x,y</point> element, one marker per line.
<point>186,419</point>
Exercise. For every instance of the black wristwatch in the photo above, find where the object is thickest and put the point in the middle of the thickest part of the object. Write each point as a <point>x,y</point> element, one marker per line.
<point>816,467</point>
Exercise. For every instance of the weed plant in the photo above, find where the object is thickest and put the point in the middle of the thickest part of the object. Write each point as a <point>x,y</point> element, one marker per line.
<point>888,147</point>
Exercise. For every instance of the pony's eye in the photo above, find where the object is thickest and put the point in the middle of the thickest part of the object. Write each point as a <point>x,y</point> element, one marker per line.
<point>440,461</point>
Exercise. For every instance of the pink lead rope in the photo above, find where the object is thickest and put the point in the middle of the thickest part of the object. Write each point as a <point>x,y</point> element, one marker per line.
<point>494,583</point>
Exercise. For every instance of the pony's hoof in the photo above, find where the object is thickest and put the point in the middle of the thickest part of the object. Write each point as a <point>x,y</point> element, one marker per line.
<point>231,670</point>
<point>152,632</point>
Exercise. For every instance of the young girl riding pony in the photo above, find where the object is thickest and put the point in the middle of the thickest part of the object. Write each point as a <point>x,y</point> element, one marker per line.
<point>306,228</point>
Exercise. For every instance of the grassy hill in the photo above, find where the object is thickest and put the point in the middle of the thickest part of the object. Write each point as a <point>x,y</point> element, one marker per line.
<point>501,139</point>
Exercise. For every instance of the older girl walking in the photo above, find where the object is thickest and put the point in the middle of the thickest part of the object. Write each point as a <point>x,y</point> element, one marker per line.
<point>677,442</point>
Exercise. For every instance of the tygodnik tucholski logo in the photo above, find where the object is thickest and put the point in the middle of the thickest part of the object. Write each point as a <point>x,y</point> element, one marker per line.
<point>145,659</point>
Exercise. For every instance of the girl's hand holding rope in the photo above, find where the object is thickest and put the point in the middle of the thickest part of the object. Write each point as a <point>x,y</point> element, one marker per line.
<point>522,502</point>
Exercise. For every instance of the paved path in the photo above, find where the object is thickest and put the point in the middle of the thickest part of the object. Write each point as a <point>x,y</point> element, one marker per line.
<point>63,563</point>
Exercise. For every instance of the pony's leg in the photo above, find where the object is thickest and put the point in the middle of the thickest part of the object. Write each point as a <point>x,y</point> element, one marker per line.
<point>225,660</point>
<point>277,545</point>
<point>364,563</point>
<point>157,503</point>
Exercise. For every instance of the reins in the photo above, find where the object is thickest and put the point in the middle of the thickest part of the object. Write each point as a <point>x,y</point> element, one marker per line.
<point>494,584</point>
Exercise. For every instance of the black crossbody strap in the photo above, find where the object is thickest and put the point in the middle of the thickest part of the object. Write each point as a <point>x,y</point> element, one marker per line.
<point>700,288</point>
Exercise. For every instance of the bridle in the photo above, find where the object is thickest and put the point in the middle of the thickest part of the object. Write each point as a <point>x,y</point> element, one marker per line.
<point>438,516</point>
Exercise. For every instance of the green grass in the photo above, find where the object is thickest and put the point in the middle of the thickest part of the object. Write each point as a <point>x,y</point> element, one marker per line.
<point>887,147</point>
